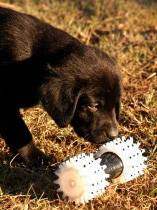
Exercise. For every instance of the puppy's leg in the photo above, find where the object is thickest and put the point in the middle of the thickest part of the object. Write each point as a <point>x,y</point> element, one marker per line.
<point>17,136</point>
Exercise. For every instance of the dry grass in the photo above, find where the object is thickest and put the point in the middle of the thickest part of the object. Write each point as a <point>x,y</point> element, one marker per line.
<point>127,30</point>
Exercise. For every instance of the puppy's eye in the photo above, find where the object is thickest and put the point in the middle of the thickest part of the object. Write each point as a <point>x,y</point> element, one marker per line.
<point>93,108</point>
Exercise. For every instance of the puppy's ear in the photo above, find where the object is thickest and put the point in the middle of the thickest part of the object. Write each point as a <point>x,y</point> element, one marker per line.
<point>60,98</point>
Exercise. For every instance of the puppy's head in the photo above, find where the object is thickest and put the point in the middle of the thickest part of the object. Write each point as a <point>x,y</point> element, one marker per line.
<point>85,91</point>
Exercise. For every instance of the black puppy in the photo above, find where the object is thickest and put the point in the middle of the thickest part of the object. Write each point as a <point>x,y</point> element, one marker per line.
<point>77,84</point>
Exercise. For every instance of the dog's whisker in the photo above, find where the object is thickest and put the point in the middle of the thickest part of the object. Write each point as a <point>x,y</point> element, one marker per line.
<point>13,160</point>
<point>87,136</point>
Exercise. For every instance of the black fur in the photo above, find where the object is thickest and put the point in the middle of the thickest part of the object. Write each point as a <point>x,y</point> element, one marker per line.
<point>77,84</point>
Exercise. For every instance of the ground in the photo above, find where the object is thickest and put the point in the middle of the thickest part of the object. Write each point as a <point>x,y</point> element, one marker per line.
<point>126,30</point>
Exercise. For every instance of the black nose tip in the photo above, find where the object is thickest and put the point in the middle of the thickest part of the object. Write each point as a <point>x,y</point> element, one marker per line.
<point>112,134</point>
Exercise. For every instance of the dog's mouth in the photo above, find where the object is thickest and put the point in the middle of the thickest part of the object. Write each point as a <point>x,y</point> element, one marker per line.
<point>97,139</point>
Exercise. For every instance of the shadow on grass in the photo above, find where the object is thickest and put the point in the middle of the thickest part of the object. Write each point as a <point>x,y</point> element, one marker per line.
<point>20,180</point>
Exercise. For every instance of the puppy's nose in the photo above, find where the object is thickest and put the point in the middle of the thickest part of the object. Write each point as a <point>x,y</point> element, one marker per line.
<point>112,133</point>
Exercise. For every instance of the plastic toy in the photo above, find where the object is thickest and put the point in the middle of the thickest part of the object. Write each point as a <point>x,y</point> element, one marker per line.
<point>83,177</point>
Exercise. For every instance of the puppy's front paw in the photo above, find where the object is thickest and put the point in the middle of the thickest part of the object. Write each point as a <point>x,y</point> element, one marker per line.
<point>32,156</point>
